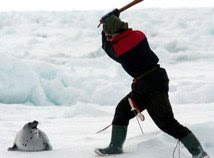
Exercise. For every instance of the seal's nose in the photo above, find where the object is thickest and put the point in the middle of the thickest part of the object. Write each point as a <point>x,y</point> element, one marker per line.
<point>34,124</point>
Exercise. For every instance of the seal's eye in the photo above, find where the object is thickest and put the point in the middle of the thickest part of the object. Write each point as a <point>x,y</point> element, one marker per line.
<point>34,127</point>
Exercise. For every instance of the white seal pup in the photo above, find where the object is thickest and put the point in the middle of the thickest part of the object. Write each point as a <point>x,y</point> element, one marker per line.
<point>30,138</point>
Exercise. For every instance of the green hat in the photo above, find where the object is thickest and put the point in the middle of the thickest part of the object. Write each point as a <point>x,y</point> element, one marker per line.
<point>114,25</point>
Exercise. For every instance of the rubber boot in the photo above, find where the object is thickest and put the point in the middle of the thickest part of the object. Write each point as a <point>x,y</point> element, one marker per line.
<point>118,137</point>
<point>193,146</point>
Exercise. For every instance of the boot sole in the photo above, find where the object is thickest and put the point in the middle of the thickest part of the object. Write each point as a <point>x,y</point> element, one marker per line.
<point>99,153</point>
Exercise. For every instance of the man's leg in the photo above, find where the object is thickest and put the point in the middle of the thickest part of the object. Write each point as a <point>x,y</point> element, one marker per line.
<point>120,123</point>
<point>160,110</point>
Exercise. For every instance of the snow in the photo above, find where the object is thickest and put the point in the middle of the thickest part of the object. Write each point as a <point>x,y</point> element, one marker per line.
<point>52,69</point>
<point>61,5</point>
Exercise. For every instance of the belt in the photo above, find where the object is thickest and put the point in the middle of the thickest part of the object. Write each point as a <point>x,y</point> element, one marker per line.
<point>144,74</point>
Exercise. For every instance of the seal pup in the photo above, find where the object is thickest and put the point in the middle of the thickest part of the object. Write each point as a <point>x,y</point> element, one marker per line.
<point>30,138</point>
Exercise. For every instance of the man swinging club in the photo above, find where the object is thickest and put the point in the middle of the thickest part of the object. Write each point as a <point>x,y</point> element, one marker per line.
<point>150,88</point>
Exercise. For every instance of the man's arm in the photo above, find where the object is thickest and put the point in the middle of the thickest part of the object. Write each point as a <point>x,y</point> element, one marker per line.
<point>107,47</point>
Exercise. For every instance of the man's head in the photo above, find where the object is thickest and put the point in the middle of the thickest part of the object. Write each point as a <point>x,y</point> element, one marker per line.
<point>114,25</point>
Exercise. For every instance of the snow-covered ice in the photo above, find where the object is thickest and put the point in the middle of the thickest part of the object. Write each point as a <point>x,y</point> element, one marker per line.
<point>52,69</point>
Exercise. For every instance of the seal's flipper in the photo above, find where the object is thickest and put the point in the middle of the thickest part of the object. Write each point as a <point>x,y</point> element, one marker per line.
<point>14,148</point>
<point>48,147</point>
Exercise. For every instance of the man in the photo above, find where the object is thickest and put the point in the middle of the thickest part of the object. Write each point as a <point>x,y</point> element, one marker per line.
<point>130,48</point>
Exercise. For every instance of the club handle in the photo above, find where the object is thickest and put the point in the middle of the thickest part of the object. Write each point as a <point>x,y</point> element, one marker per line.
<point>129,5</point>
<point>126,7</point>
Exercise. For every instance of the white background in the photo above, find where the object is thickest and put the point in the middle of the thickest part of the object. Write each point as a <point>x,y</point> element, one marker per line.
<point>95,4</point>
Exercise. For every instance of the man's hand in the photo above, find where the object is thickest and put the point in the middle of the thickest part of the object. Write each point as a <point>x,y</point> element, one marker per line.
<point>115,12</point>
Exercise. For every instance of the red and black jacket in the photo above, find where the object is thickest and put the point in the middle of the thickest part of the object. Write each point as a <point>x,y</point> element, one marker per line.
<point>131,49</point>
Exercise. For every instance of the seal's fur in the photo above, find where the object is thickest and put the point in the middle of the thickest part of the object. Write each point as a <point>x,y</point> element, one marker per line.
<point>30,138</point>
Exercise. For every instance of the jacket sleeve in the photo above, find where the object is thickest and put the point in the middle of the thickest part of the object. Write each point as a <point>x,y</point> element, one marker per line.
<point>107,47</point>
